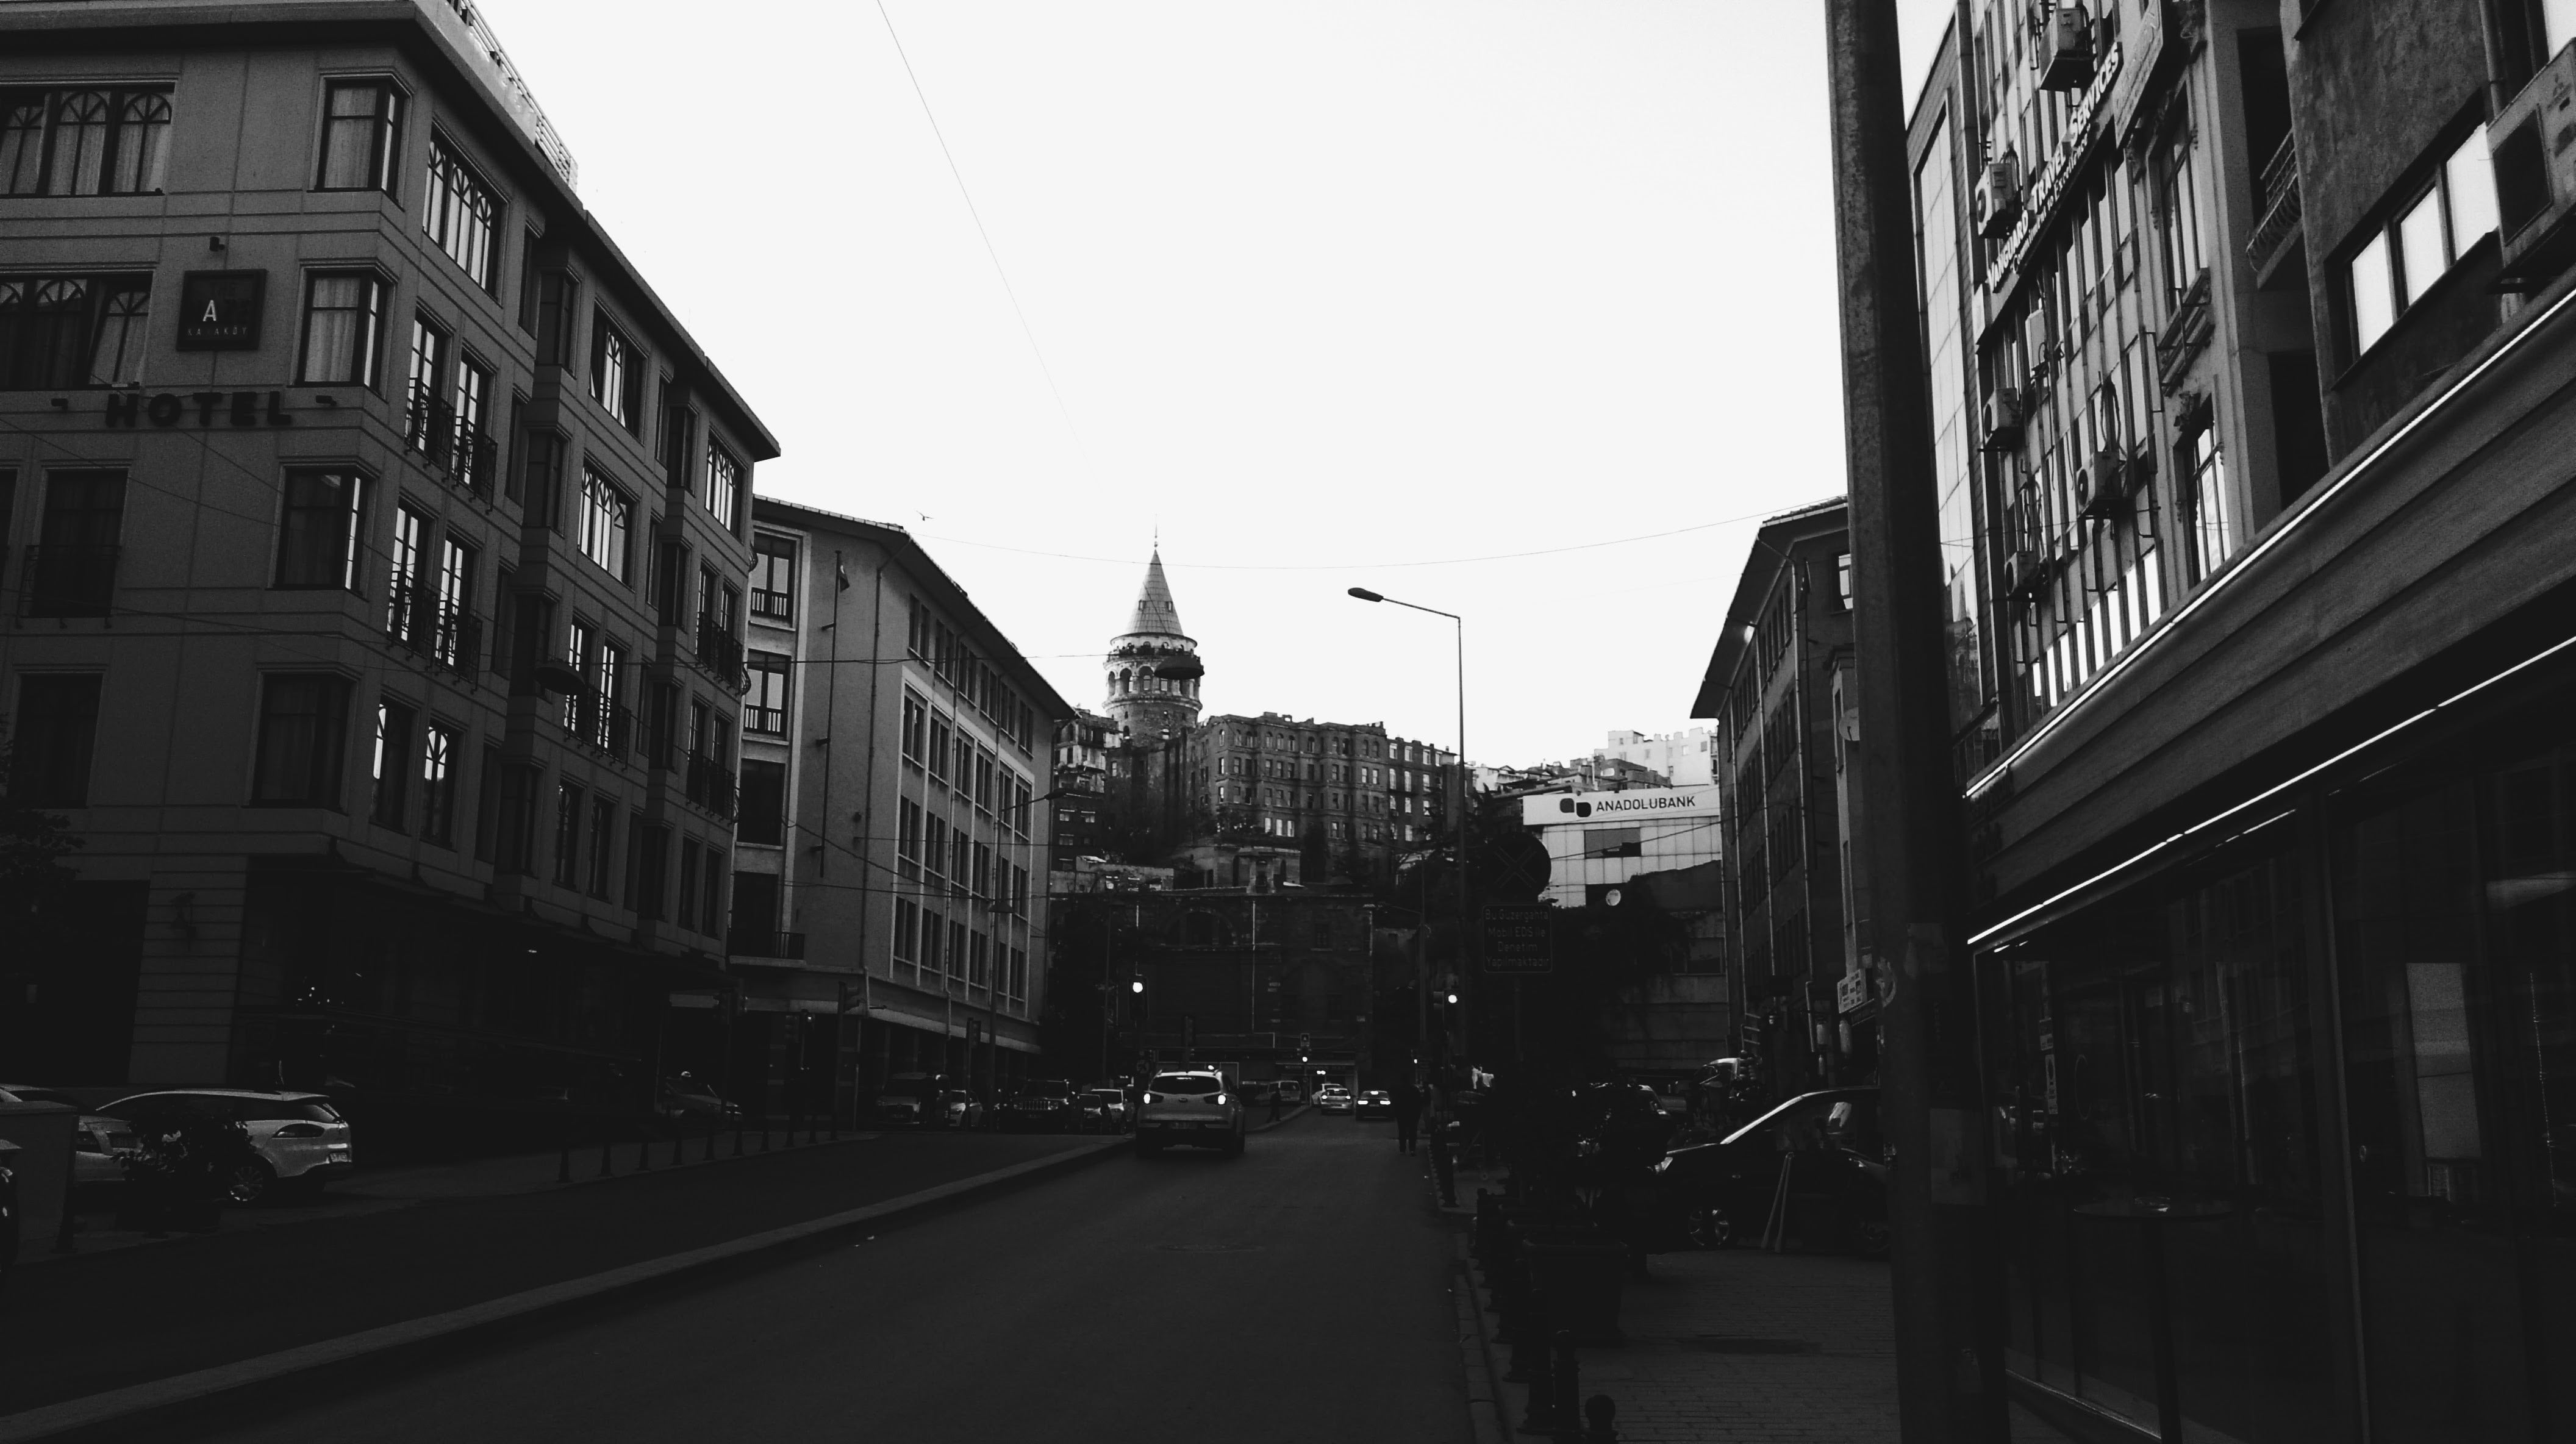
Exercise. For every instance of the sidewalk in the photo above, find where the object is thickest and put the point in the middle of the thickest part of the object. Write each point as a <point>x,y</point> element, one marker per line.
<point>446,1239</point>
<point>1741,1346</point>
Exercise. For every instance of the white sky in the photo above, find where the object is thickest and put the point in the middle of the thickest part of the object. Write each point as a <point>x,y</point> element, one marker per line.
<point>1326,287</point>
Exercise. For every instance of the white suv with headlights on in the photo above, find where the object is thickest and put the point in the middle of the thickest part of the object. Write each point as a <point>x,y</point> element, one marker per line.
<point>1192,1107</point>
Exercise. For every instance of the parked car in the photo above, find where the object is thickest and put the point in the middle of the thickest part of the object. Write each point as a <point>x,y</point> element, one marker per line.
<point>1373,1103</point>
<point>8,1207</point>
<point>1044,1104</point>
<point>685,1100</point>
<point>1189,1107</point>
<point>1333,1098</point>
<point>296,1139</point>
<point>958,1108</point>
<point>1291,1092</point>
<point>906,1100</point>
<point>1105,1107</point>
<point>96,1138</point>
<point>1722,1192</point>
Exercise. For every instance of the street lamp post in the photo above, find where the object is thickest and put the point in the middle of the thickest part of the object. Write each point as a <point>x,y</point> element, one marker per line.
<point>1458,625</point>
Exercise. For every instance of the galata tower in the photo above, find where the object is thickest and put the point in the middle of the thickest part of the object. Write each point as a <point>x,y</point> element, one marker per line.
<point>1153,666</point>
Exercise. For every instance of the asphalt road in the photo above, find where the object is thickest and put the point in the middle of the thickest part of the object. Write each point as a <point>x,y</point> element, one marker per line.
<point>1297,1295</point>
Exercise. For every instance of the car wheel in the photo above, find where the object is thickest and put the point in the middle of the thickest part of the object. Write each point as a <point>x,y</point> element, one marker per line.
<point>1709,1228</point>
<point>251,1182</point>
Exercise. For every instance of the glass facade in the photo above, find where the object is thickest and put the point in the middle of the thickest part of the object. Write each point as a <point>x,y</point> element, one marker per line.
<point>2288,1131</point>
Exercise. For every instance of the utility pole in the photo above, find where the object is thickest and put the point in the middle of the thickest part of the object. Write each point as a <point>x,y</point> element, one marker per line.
<point>1948,1366</point>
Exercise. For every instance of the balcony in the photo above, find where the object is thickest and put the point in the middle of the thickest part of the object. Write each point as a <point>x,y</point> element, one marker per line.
<point>790,946</point>
<point>437,628</point>
<point>599,722</point>
<point>465,456</point>
<point>67,581</point>
<point>2281,210</point>
<point>720,653</point>
<point>710,785</point>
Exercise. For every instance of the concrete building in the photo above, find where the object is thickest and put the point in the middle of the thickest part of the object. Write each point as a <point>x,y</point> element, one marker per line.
<point>2250,327</point>
<point>1282,983</point>
<point>1777,686</point>
<point>376,605</point>
<point>1599,840</point>
<point>1083,743</point>
<point>1336,791</point>
<point>1679,759</point>
<point>894,826</point>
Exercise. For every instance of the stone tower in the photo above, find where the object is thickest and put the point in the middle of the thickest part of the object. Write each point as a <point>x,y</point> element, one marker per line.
<point>1145,704</point>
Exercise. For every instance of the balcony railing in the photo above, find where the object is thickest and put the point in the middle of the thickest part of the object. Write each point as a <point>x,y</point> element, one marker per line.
<point>2281,208</point>
<point>433,431</point>
<point>67,581</point>
<point>598,722</point>
<point>765,945</point>
<point>710,785</point>
<point>426,625</point>
<point>721,653</point>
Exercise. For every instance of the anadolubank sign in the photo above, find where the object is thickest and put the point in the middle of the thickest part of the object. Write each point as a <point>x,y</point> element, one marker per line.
<point>1637,804</point>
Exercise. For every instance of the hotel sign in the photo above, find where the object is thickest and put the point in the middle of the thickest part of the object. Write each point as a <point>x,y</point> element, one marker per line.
<point>219,310</point>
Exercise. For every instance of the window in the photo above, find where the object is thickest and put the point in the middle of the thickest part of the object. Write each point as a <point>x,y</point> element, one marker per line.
<point>2212,535</point>
<point>650,844</point>
<point>421,387</point>
<point>460,213</point>
<point>361,135</point>
<point>568,820</point>
<point>934,852</point>
<point>916,722</point>
<point>83,142</point>
<point>471,400</point>
<point>2178,210</point>
<point>320,528</point>
<point>2419,245</point>
<point>603,832</point>
<point>404,594</point>
<point>724,483</point>
<point>71,572</point>
<point>438,784</point>
<point>452,636</point>
<point>344,314</point>
<point>302,723</point>
<point>61,333</point>
<point>711,897</point>
<point>762,814</point>
<point>773,578</point>
<point>907,839</point>
<point>907,929</point>
<point>581,654</point>
<point>616,373</point>
<point>688,911</point>
<point>55,735</point>
<point>764,704</point>
<point>933,930</point>
<point>939,748</point>
<point>390,767</point>
<point>979,947</point>
<point>602,524</point>
<point>957,948</point>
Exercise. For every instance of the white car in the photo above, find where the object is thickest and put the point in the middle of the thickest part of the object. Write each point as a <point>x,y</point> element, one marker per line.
<point>298,1138</point>
<point>1190,1107</point>
<point>1333,1098</point>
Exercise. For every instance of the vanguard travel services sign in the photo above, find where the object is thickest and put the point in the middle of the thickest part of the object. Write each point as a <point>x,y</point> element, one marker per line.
<point>1558,809</point>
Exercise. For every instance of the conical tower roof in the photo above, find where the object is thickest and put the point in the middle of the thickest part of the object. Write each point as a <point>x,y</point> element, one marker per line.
<point>1155,611</point>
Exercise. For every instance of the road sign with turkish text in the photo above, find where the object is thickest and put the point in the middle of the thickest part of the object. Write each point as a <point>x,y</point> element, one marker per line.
<point>1519,938</point>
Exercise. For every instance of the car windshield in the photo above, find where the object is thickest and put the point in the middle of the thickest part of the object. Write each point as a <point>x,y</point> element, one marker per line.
<point>1187,1083</point>
<point>1375,1093</point>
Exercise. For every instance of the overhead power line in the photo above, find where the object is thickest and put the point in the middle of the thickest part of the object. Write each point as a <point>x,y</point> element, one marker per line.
<point>1360,566</point>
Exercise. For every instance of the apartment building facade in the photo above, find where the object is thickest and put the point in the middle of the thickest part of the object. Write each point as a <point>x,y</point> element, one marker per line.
<point>2250,330</point>
<point>1777,689</point>
<point>375,549</point>
<point>890,870</point>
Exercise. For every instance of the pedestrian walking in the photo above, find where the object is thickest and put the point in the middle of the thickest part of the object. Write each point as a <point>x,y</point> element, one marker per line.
<point>1408,1111</point>
<point>1274,1102</point>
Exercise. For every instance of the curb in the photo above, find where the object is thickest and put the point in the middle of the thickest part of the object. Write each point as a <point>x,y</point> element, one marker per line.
<point>156,1407</point>
<point>1488,1412</point>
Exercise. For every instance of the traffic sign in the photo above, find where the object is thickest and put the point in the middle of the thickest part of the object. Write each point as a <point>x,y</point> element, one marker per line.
<point>1519,938</point>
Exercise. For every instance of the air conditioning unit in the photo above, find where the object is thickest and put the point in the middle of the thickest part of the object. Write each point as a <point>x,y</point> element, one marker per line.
<point>1997,202</point>
<point>2003,420</point>
<point>2532,142</point>
<point>2102,487</point>
<point>2064,53</point>
<point>2026,575</point>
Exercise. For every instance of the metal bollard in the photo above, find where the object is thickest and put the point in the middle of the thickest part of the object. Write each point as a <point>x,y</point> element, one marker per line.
<point>1444,1170</point>
<point>1599,1419</point>
<point>1540,1416</point>
<point>644,1149</point>
<point>1569,1390</point>
<point>715,1126</point>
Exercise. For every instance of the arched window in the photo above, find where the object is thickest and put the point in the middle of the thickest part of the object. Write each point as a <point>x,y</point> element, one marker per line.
<point>80,142</point>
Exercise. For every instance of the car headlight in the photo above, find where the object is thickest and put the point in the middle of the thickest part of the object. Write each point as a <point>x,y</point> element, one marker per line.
<point>1149,1097</point>
<point>1662,1165</point>
<point>1220,1100</point>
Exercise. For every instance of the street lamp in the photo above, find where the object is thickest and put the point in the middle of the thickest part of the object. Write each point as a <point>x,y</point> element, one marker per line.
<point>1459,626</point>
